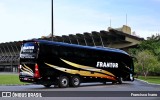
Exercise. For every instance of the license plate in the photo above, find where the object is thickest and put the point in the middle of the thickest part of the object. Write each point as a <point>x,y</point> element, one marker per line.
<point>25,78</point>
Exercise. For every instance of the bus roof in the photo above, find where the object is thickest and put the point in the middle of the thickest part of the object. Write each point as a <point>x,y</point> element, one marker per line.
<point>80,46</point>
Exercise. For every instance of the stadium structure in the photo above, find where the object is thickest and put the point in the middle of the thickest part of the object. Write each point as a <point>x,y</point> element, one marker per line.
<point>120,38</point>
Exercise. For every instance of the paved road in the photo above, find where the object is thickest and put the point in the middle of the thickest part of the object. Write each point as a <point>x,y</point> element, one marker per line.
<point>136,86</point>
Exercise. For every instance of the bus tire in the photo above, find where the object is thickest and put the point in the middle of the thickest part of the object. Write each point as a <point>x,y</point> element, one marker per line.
<point>47,85</point>
<point>114,82</point>
<point>120,80</point>
<point>75,81</point>
<point>104,82</point>
<point>63,81</point>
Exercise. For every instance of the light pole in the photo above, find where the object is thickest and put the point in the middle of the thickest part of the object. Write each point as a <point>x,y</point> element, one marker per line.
<point>52,25</point>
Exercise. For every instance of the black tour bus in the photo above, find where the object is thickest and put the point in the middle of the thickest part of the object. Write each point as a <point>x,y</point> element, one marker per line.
<point>62,64</point>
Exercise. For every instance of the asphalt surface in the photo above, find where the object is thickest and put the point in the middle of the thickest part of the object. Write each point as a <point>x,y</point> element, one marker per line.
<point>94,89</point>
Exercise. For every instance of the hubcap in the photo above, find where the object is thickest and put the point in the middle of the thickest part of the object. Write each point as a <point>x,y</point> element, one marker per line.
<point>76,81</point>
<point>64,82</point>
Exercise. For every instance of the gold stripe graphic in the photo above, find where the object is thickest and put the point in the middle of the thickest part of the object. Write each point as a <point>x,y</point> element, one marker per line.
<point>24,67</point>
<point>28,68</point>
<point>27,72</point>
<point>87,67</point>
<point>83,73</point>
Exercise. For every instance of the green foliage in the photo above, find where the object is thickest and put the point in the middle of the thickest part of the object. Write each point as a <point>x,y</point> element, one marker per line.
<point>157,69</point>
<point>146,62</point>
<point>147,56</point>
<point>152,44</point>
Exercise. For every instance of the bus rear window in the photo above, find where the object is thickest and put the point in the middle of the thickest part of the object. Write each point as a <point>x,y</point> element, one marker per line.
<point>29,50</point>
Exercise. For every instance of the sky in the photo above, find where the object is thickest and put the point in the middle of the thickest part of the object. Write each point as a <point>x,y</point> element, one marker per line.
<point>27,19</point>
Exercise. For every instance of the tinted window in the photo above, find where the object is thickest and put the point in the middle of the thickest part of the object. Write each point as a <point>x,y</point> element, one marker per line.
<point>29,50</point>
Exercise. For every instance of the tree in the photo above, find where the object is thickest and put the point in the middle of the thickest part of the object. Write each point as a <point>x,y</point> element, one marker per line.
<point>149,50</point>
<point>152,44</point>
<point>157,69</point>
<point>146,62</point>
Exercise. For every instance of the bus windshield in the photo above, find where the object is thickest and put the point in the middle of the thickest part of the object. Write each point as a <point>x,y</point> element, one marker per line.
<point>29,50</point>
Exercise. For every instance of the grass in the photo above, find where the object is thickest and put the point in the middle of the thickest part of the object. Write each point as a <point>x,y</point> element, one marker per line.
<point>151,79</point>
<point>10,79</point>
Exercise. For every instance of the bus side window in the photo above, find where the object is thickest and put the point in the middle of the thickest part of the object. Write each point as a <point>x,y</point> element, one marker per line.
<point>54,50</point>
<point>65,51</point>
<point>46,50</point>
<point>79,53</point>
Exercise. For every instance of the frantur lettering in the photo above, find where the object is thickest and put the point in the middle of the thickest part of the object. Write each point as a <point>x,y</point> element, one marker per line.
<point>107,65</point>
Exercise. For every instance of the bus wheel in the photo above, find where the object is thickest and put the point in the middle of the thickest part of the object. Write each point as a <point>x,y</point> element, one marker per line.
<point>120,80</point>
<point>104,82</point>
<point>75,81</point>
<point>47,86</point>
<point>63,81</point>
<point>114,82</point>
